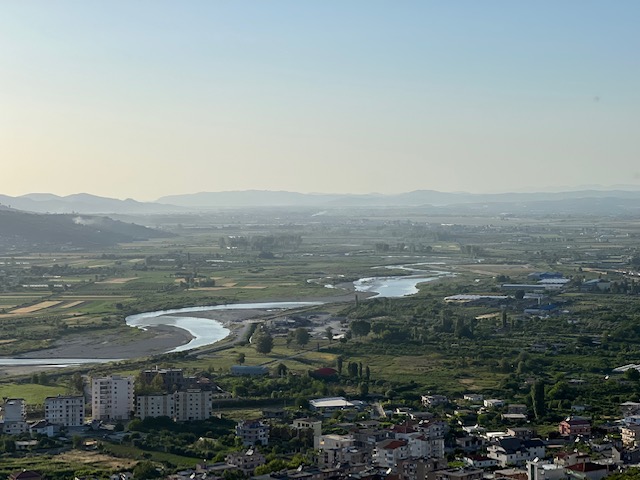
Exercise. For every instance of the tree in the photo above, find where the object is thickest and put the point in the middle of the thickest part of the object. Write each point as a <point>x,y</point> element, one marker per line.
<point>281,370</point>
<point>9,445</point>
<point>364,389</point>
<point>360,328</point>
<point>263,342</point>
<point>329,333</point>
<point>77,382</point>
<point>76,441</point>
<point>632,374</point>
<point>302,336</point>
<point>145,470</point>
<point>519,294</point>
<point>240,358</point>
<point>353,369</point>
<point>339,361</point>
<point>537,398</point>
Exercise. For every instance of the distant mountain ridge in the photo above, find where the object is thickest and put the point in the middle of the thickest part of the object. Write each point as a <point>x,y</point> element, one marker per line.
<point>83,203</point>
<point>254,198</point>
<point>619,200</point>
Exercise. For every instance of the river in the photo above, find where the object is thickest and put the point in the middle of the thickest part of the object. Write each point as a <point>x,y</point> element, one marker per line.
<point>206,331</point>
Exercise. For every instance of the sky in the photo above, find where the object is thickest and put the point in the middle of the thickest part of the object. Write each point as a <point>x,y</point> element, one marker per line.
<point>148,98</point>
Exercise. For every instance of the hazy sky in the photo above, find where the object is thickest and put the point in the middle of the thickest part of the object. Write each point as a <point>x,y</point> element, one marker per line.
<point>142,98</point>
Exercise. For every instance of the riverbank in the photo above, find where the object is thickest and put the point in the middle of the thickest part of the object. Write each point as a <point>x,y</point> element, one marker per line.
<point>158,337</point>
<point>154,341</point>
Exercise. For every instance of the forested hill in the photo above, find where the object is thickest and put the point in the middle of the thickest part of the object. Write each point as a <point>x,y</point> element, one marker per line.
<point>22,230</point>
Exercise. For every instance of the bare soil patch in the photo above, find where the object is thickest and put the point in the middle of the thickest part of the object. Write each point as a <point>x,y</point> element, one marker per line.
<point>117,280</point>
<point>95,458</point>
<point>35,308</point>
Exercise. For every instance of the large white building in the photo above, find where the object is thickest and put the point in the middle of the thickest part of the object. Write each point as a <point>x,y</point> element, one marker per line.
<point>253,432</point>
<point>67,411</point>
<point>193,404</point>
<point>14,415</point>
<point>112,397</point>
<point>154,406</point>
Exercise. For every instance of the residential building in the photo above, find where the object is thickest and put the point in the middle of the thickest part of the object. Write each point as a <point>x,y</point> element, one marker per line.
<point>389,452</point>
<point>312,424</point>
<point>246,461</point>
<point>425,439</point>
<point>493,403</point>
<point>470,443</point>
<point>155,406</point>
<point>434,400</point>
<point>193,404</point>
<point>480,461</point>
<point>523,433</point>
<point>513,451</point>
<point>630,436</point>
<point>112,398</point>
<point>588,471</point>
<point>569,458</point>
<point>511,473</point>
<point>182,406</point>
<point>545,470</point>
<point>630,408</point>
<point>43,427</point>
<point>253,432</point>
<point>459,474</point>
<point>473,397</point>
<point>336,449</point>
<point>65,410</point>
<point>419,468</point>
<point>172,378</point>
<point>575,426</point>
<point>14,416</point>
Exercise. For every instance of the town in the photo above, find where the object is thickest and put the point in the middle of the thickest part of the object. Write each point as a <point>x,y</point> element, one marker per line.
<point>328,438</point>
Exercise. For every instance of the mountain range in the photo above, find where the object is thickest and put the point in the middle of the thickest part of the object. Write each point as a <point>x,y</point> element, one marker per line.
<point>580,201</point>
<point>83,203</point>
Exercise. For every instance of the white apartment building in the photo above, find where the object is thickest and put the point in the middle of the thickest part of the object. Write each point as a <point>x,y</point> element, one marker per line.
<point>14,416</point>
<point>253,432</point>
<point>184,406</point>
<point>67,411</point>
<point>112,397</point>
<point>193,405</point>
<point>154,406</point>
<point>334,449</point>
<point>389,452</point>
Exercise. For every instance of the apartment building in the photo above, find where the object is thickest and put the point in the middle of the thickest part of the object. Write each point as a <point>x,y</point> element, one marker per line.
<point>112,398</point>
<point>66,411</point>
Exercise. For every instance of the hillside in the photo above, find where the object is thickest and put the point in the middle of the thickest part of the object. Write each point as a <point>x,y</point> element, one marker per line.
<point>22,230</point>
<point>83,203</point>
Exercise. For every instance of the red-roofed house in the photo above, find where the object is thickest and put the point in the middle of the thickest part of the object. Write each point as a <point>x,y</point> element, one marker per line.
<point>588,471</point>
<point>389,452</point>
